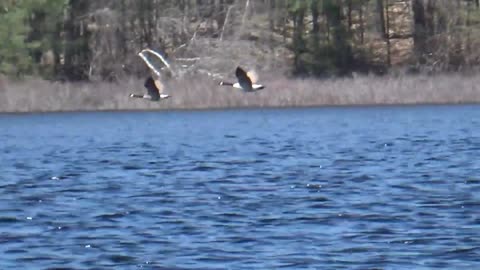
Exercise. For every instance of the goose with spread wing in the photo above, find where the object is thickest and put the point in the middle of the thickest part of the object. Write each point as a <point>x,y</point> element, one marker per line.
<point>154,90</point>
<point>247,81</point>
<point>153,84</point>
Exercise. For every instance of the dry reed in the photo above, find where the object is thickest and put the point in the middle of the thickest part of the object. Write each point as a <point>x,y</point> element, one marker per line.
<point>35,95</point>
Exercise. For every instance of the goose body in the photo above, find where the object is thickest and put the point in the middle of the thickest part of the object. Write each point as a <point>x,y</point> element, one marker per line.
<point>246,81</point>
<point>154,90</point>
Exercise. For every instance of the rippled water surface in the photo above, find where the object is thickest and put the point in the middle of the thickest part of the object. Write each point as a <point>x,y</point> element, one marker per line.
<point>330,188</point>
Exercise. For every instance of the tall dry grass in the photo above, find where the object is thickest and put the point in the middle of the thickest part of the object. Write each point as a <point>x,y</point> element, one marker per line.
<point>35,95</point>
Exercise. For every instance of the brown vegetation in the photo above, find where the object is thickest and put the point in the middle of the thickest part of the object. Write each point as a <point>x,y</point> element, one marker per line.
<point>202,93</point>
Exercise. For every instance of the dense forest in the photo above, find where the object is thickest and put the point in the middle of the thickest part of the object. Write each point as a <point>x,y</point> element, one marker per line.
<point>76,40</point>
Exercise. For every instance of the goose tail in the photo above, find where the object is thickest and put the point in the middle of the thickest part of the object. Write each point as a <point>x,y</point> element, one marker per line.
<point>258,87</point>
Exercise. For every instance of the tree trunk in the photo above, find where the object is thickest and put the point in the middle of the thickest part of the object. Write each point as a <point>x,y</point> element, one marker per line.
<point>77,52</point>
<point>362,25</point>
<point>419,30</point>
<point>380,18</point>
<point>315,22</point>
<point>429,18</point>
<point>298,42</point>
<point>349,14</point>
<point>387,34</point>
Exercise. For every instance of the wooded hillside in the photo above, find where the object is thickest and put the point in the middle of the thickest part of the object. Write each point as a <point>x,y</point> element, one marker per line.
<point>99,40</point>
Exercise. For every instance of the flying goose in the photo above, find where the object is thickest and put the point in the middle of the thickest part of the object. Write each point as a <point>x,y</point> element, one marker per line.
<point>154,90</point>
<point>153,84</point>
<point>247,81</point>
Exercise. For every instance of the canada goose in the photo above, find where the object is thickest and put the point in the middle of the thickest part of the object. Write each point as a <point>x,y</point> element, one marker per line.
<point>246,81</point>
<point>154,90</point>
<point>153,83</point>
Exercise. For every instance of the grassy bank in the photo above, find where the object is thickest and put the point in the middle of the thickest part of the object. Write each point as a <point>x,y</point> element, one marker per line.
<point>35,95</point>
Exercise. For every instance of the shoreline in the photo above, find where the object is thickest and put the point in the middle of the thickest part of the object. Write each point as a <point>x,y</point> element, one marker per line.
<point>343,106</point>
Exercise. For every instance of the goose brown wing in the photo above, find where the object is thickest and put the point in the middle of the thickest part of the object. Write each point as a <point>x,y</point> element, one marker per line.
<point>253,76</point>
<point>152,89</point>
<point>159,86</point>
<point>243,79</point>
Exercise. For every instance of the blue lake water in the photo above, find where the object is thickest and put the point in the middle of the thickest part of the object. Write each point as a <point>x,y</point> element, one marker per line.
<point>324,188</point>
